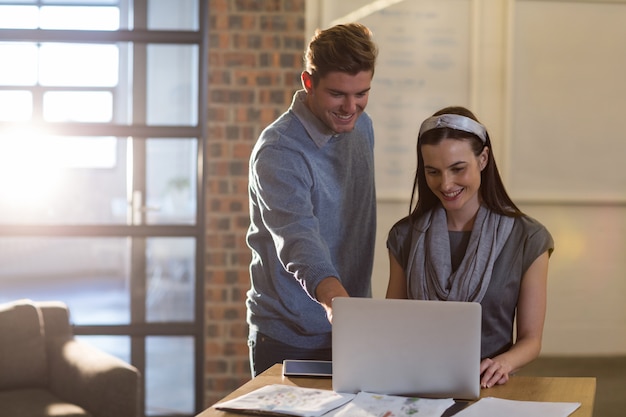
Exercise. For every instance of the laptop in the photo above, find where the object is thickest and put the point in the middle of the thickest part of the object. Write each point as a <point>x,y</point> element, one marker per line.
<point>406,347</point>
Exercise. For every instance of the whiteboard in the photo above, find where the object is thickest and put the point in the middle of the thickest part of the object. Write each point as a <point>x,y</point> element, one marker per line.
<point>423,65</point>
<point>568,101</point>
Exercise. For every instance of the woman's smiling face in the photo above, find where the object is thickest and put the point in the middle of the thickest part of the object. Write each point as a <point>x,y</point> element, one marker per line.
<point>453,174</point>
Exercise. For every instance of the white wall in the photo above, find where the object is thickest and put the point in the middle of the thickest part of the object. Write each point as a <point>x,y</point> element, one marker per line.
<point>586,284</point>
<point>583,198</point>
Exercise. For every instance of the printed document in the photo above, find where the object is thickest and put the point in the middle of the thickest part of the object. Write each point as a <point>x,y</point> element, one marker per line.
<point>498,407</point>
<point>286,400</point>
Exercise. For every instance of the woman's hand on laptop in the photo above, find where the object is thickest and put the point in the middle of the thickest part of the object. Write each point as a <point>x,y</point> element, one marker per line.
<point>494,371</point>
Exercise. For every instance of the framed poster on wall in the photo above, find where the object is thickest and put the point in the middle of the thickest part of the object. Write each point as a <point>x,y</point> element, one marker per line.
<point>568,101</point>
<point>423,65</point>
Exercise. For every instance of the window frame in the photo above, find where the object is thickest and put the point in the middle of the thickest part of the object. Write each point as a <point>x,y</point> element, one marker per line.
<point>139,35</point>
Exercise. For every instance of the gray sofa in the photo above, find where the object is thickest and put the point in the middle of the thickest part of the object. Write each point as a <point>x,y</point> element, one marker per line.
<point>45,371</point>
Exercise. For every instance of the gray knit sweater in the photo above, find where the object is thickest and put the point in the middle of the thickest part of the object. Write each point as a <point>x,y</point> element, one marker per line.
<point>313,215</point>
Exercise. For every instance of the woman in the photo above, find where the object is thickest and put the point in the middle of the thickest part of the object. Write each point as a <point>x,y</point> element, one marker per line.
<point>465,240</point>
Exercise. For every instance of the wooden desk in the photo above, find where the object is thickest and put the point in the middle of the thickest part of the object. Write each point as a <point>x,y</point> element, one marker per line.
<point>525,388</point>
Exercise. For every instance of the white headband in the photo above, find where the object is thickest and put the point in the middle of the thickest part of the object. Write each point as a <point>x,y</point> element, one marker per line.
<point>457,122</point>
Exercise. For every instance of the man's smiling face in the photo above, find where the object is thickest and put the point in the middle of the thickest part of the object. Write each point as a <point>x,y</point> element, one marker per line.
<point>339,98</point>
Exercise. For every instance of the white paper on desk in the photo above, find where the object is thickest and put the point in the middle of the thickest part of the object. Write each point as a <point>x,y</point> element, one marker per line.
<point>377,405</point>
<point>498,407</point>
<point>278,399</point>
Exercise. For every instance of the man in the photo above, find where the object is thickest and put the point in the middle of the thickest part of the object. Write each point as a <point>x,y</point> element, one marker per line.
<point>313,203</point>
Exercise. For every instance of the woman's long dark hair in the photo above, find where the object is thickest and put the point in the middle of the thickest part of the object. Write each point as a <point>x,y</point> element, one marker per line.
<point>493,195</point>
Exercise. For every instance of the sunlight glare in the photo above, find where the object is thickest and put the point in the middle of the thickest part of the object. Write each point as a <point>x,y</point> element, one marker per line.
<point>28,173</point>
<point>19,63</point>
<point>16,106</point>
<point>18,17</point>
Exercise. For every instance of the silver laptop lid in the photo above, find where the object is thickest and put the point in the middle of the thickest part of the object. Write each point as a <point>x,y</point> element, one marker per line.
<point>407,347</point>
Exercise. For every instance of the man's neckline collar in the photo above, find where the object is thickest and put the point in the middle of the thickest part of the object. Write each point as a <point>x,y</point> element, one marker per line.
<point>317,130</point>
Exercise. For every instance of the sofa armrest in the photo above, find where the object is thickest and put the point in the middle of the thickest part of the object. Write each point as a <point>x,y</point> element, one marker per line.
<point>101,383</point>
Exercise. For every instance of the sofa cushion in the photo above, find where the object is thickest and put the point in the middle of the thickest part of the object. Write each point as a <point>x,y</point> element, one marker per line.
<point>34,402</point>
<point>23,361</point>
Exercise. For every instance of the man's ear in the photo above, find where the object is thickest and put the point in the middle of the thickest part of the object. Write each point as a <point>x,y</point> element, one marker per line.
<point>307,81</point>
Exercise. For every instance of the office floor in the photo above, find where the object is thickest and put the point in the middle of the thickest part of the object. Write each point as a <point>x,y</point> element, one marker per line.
<point>609,371</point>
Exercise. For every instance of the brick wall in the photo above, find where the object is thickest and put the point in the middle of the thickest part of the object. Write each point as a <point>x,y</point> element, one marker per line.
<point>255,60</point>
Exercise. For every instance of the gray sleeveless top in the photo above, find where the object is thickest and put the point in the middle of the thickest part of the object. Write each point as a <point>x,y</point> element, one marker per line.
<point>527,241</point>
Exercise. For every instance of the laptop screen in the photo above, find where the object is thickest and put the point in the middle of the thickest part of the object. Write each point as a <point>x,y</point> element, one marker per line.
<point>407,347</point>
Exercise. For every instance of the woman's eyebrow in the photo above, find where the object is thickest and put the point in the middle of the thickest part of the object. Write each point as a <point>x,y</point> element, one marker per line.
<point>449,166</point>
<point>457,163</point>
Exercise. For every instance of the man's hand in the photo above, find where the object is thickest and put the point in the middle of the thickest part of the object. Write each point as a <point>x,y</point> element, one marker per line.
<point>328,289</point>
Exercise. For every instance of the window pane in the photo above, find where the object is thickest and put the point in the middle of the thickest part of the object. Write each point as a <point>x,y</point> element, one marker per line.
<point>16,106</point>
<point>171,272</point>
<point>83,65</point>
<point>81,18</point>
<point>172,85</point>
<point>169,375</point>
<point>86,152</point>
<point>18,1</point>
<point>171,181</point>
<point>39,183</point>
<point>19,64</point>
<point>91,275</point>
<point>80,2</point>
<point>78,106</point>
<point>18,17</point>
<point>173,15</point>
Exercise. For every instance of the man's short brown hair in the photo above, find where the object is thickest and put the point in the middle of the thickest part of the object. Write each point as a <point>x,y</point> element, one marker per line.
<point>345,48</point>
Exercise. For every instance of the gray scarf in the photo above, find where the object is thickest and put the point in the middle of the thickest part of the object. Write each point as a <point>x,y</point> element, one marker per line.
<point>429,270</point>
